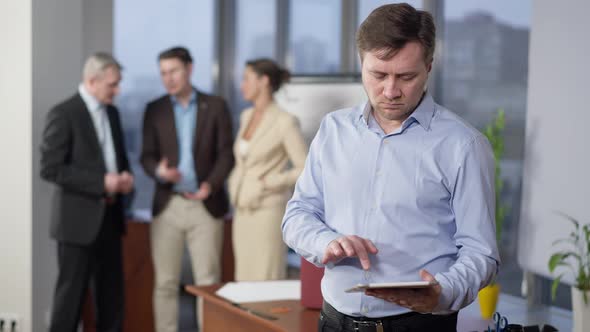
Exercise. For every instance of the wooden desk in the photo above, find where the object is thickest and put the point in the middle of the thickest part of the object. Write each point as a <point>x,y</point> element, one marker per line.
<point>221,315</point>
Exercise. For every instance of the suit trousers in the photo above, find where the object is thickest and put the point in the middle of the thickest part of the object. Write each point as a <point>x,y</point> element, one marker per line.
<point>182,222</point>
<point>99,265</point>
<point>259,250</point>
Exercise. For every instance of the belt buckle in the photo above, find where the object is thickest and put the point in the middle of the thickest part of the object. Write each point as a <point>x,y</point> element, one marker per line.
<point>377,324</point>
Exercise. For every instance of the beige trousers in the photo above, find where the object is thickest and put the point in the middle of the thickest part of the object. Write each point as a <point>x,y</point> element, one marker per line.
<point>182,222</point>
<point>259,250</point>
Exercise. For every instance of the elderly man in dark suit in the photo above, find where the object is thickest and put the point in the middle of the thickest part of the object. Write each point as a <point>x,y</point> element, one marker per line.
<point>83,154</point>
<point>187,149</point>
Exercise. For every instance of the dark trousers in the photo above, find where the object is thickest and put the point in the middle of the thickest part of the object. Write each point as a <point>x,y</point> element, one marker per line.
<point>98,265</point>
<point>333,321</point>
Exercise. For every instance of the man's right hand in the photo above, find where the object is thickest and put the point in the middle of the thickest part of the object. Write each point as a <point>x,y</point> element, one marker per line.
<point>167,173</point>
<point>350,246</point>
<point>111,182</point>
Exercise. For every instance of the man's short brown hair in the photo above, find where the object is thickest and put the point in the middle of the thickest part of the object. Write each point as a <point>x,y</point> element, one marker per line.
<point>177,52</point>
<point>390,27</point>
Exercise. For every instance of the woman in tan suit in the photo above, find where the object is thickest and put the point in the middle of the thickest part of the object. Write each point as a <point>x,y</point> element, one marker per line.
<point>270,154</point>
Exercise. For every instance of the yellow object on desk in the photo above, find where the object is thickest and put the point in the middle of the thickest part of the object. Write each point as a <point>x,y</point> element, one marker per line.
<point>488,298</point>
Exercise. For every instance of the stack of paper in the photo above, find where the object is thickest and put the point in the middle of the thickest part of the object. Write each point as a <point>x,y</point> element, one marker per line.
<point>261,291</point>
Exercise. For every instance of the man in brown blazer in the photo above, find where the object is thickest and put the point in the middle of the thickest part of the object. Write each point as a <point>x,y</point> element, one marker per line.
<point>187,149</point>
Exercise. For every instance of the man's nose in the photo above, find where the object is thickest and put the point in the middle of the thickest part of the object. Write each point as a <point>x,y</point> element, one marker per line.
<point>391,89</point>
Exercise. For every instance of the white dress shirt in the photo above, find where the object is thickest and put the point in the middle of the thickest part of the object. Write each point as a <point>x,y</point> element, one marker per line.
<point>100,119</point>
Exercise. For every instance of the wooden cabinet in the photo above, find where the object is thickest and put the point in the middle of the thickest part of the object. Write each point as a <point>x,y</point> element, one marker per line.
<point>139,278</point>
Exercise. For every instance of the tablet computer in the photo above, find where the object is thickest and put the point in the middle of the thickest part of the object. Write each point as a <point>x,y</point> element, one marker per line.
<point>401,284</point>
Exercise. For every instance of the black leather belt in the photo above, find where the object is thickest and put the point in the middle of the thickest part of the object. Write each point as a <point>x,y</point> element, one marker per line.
<point>407,322</point>
<point>365,324</point>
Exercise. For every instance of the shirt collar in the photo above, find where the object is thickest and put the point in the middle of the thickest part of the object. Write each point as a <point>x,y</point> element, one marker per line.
<point>92,103</point>
<point>422,114</point>
<point>191,101</point>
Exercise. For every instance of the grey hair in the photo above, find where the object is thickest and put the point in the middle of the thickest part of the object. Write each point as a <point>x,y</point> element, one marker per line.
<point>97,63</point>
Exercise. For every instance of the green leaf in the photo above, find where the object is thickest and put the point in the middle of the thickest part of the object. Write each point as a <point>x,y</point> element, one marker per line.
<point>555,260</point>
<point>579,239</point>
<point>554,286</point>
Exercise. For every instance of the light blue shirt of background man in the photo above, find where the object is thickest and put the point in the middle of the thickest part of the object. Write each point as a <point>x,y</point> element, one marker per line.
<point>185,119</point>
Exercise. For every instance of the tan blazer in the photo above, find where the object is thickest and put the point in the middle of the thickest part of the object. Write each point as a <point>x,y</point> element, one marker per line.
<point>275,144</point>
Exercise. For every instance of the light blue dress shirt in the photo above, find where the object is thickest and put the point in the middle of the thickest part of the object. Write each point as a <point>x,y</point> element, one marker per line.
<point>423,194</point>
<point>185,120</point>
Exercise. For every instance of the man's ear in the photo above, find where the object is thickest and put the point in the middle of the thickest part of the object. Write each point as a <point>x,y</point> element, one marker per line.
<point>430,66</point>
<point>91,82</point>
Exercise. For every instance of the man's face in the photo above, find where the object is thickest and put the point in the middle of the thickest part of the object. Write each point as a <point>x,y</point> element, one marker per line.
<point>175,75</point>
<point>105,86</point>
<point>395,86</point>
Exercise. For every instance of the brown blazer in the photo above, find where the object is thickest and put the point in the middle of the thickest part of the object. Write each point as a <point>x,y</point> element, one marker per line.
<point>276,143</point>
<point>212,151</point>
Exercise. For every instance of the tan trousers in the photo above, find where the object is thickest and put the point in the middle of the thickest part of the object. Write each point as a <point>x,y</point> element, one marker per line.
<point>259,250</point>
<point>183,222</point>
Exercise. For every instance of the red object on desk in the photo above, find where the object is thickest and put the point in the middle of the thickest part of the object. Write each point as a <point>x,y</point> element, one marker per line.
<point>311,278</point>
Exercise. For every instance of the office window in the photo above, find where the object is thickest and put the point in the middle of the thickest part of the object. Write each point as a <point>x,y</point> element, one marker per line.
<point>255,38</point>
<point>314,38</point>
<point>484,68</point>
<point>142,29</point>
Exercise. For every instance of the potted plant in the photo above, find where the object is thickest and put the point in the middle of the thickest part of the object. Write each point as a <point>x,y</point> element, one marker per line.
<point>575,257</point>
<point>488,296</point>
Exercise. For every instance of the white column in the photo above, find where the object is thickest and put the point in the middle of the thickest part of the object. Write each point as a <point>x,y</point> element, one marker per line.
<point>16,160</point>
<point>44,43</point>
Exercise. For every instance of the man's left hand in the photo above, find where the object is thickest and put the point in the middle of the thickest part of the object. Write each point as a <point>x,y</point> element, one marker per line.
<point>202,194</point>
<point>126,182</point>
<point>423,300</point>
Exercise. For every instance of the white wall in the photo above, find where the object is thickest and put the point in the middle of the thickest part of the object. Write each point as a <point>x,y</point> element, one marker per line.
<point>557,154</point>
<point>44,43</point>
<point>16,162</point>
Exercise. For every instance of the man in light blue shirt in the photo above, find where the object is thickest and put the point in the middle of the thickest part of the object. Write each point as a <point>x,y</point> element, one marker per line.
<point>399,189</point>
<point>187,150</point>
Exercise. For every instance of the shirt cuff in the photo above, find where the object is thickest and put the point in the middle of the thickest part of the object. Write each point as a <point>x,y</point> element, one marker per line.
<point>446,296</point>
<point>321,245</point>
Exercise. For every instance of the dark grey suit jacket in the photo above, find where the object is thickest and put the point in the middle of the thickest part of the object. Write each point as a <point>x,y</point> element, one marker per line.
<point>71,158</point>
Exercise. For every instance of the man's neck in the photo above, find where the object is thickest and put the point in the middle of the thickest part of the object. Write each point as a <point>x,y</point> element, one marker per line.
<point>388,126</point>
<point>184,97</point>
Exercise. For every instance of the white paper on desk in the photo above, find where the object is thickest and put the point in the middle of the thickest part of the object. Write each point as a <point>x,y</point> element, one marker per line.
<point>261,291</point>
